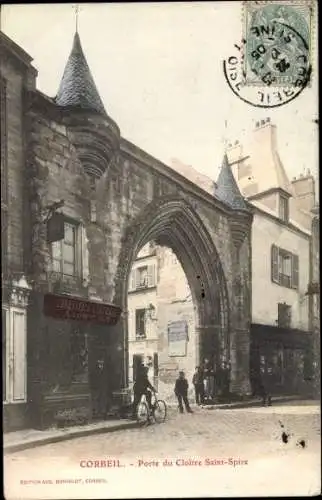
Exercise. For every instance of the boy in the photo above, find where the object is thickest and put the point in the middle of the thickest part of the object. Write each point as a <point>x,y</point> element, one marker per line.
<point>181,391</point>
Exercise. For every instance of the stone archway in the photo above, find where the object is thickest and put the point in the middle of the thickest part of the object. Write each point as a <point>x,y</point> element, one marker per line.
<point>171,221</point>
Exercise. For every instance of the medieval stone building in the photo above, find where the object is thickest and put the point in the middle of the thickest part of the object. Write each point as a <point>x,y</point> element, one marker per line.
<point>80,202</point>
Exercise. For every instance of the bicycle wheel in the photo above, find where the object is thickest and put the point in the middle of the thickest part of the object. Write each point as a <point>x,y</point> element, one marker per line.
<point>160,411</point>
<point>142,412</point>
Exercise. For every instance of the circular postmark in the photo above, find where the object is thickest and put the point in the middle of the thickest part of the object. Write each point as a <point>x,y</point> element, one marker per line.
<point>271,66</point>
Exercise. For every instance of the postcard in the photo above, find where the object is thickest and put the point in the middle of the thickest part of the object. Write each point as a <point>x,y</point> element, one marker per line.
<point>160,250</point>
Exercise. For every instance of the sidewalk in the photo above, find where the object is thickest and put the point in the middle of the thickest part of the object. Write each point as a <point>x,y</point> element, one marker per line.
<point>31,438</point>
<point>251,403</point>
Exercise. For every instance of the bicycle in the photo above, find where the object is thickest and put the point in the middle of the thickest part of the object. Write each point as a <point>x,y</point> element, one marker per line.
<point>157,412</point>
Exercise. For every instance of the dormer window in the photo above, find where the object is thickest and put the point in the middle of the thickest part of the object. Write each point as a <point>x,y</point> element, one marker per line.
<point>283,209</point>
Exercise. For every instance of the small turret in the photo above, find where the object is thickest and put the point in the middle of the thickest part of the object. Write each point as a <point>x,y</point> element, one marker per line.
<point>94,134</point>
<point>227,189</point>
<point>77,88</point>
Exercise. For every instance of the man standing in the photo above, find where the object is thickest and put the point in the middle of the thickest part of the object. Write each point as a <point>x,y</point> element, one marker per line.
<point>207,376</point>
<point>197,381</point>
<point>181,391</point>
<point>97,389</point>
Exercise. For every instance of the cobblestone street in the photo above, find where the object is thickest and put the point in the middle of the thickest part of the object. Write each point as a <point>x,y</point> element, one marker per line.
<point>213,452</point>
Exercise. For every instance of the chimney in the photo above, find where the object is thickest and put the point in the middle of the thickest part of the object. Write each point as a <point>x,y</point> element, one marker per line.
<point>234,153</point>
<point>304,189</point>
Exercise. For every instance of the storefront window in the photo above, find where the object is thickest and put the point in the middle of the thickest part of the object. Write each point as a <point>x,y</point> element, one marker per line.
<point>272,365</point>
<point>299,362</point>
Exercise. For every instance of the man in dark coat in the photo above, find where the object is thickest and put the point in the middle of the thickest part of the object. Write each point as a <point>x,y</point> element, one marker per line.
<point>98,389</point>
<point>142,386</point>
<point>197,381</point>
<point>207,376</point>
<point>259,387</point>
<point>181,391</point>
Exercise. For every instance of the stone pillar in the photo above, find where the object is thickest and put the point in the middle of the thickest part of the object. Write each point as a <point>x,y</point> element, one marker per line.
<point>125,345</point>
<point>198,345</point>
<point>15,297</point>
<point>240,318</point>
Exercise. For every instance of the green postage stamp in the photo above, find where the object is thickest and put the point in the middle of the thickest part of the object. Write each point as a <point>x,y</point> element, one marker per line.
<point>278,46</point>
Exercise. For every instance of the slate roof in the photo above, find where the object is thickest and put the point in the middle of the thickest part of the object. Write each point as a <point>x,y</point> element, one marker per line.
<point>77,87</point>
<point>227,189</point>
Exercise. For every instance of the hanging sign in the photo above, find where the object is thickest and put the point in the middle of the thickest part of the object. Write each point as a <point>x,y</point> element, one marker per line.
<point>56,228</point>
<point>61,307</point>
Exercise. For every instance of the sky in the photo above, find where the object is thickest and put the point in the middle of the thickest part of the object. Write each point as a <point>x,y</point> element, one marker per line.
<point>158,69</point>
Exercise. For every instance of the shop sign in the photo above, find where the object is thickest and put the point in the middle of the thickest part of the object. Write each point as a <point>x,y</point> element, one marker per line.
<point>177,338</point>
<point>60,307</point>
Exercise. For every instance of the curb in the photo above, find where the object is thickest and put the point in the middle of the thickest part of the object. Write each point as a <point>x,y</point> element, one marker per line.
<point>13,448</point>
<point>250,404</point>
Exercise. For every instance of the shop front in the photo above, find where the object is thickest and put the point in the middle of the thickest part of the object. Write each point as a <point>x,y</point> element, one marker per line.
<point>282,357</point>
<point>74,359</point>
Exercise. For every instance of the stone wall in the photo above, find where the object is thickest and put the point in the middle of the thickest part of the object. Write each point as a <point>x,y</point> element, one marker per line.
<point>15,79</point>
<point>132,184</point>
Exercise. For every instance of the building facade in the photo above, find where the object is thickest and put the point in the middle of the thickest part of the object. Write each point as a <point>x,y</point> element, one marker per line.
<point>142,311</point>
<point>284,249</point>
<point>162,319</point>
<point>17,74</point>
<point>81,202</point>
<point>281,333</point>
<point>313,293</point>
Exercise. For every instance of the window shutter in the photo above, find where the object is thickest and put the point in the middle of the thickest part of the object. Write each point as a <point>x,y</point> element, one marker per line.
<point>151,275</point>
<point>274,264</point>
<point>155,364</point>
<point>295,271</point>
<point>137,278</point>
<point>289,316</point>
<point>132,281</point>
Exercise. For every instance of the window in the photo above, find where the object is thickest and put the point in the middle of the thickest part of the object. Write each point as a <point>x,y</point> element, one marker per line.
<point>142,277</point>
<point>284,267</point>
<point>64,252</point>
<point>140,323</point>
<point>283,209</point>
<point>284,315</point>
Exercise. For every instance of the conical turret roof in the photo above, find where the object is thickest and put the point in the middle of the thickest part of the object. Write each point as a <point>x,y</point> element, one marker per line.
<point>227,189</point>
<point>77,87</point>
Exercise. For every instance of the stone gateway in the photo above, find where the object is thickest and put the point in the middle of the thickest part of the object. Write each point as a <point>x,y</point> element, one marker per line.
<point>116,198</point>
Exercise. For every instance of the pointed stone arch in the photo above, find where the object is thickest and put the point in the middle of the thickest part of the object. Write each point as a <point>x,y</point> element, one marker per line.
<point>171,221</point>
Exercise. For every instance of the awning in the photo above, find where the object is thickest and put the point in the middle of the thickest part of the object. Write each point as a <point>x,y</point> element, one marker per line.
<point>289,337</point>
<point>72,308</point>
